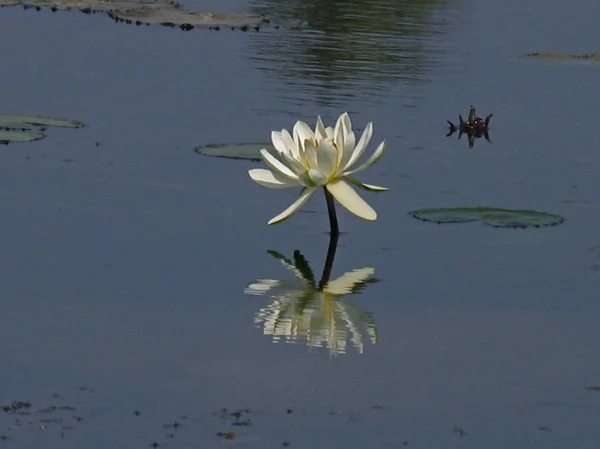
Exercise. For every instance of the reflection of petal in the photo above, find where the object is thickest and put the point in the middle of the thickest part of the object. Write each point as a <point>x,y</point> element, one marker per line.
<point>319,319</point>
<point>300,267</point>
<point>302,312</point>
<point>347,281</point>
<point>261,286</point>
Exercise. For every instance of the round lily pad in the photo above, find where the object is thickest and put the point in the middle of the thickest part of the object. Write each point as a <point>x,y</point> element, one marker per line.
<point>7,136</point>
<point>499,218</point>
<point>247,151</point>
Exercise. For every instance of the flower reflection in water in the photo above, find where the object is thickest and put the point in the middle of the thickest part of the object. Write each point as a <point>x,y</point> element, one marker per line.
<point>315,313</point>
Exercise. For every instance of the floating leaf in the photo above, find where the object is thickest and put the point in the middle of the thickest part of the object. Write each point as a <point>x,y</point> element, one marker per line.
<point>499,218</point>
<point>8,136</point>
<point>16,121</point>
<point>565,56</point>
<point>157,14</point>
<point>247,151</point>
<point>148,12</point>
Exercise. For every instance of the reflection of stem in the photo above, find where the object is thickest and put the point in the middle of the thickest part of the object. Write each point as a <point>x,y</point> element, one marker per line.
<point>333,222</point>
<point>333,241</point>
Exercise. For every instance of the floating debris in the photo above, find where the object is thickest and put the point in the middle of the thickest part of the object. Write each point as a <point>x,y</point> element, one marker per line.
<point>227,435</point>
<point>17,407</point>
<point>474,127</point>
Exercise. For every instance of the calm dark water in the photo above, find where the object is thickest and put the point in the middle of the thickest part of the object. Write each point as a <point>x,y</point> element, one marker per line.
<point>124,270</point>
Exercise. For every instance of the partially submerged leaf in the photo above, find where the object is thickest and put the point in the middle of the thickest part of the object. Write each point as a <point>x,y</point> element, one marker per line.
<point>174,16</point>
<point>7,136</point>
<point>16,121</point>
<point>565,56</point>
<point>247,151</point>
<point>499,218</point>
<point>148,12</point>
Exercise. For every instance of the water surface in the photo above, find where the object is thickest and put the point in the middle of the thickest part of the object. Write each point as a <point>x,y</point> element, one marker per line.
<point>124,270</point>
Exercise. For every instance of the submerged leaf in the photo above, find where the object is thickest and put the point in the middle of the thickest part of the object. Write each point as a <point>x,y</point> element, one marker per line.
<point>16,121</point>
<point>499,218</point>
<point>248,151</point>
<point>174,16</point>
<point>8,136</point>
<point>565,56</point>
<point>148,12</point>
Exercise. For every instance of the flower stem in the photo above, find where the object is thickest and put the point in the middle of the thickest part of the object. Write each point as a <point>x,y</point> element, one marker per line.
<point>333,222</point>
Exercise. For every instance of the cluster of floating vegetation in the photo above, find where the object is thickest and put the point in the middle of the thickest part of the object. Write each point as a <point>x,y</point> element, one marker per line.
<point>148,12</point>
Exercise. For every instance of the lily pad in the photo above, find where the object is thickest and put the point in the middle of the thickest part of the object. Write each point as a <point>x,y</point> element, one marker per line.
<point>16,121</point>
<point>247,151</point>
<point>7,136</point>
<point>157,14</point>
<point>498,218</point>
<point>148,12</point>
<point>565,56</point>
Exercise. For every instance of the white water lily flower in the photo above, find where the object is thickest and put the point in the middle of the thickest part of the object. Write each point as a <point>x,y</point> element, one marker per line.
<point>322,158</point>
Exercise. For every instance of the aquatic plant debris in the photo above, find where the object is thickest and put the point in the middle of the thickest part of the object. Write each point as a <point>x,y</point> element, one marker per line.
<point>27,128</point>
<point>565,56</point>
<point>245,151</point>
<point>474,127</point>
<point>498,218</point>
<point>148,12</point>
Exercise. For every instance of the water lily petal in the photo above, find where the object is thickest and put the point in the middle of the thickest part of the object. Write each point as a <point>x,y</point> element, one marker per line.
<point>277,166</point>
<point>305,194</point>
<point>314,178</point>
<point>302,133</point>
<point>360,146</point>
<point>339,140</point>
<point>278,142</point>
<point>320,131</point>
<point>288,140</point>
<point>327,157</point>
<point>267,178</point>
<point>309,155</point>
<point>347,150</point>
<point>374,158</point>
<point>343,124</point>
<point>348,198</point>
<point>294,164</point>
<point>362,185</point>
<point>329,131</point>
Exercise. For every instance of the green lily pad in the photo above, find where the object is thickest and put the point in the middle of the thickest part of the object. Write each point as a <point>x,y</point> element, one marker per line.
<point>565,56</point>
<point>247,151</point>
<point>498,218</point>
<point>147,12</point>
<point>16,121</point>
<point>7,136</point>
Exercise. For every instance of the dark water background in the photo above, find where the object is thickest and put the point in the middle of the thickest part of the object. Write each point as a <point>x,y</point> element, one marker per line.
<point>124,264</point>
